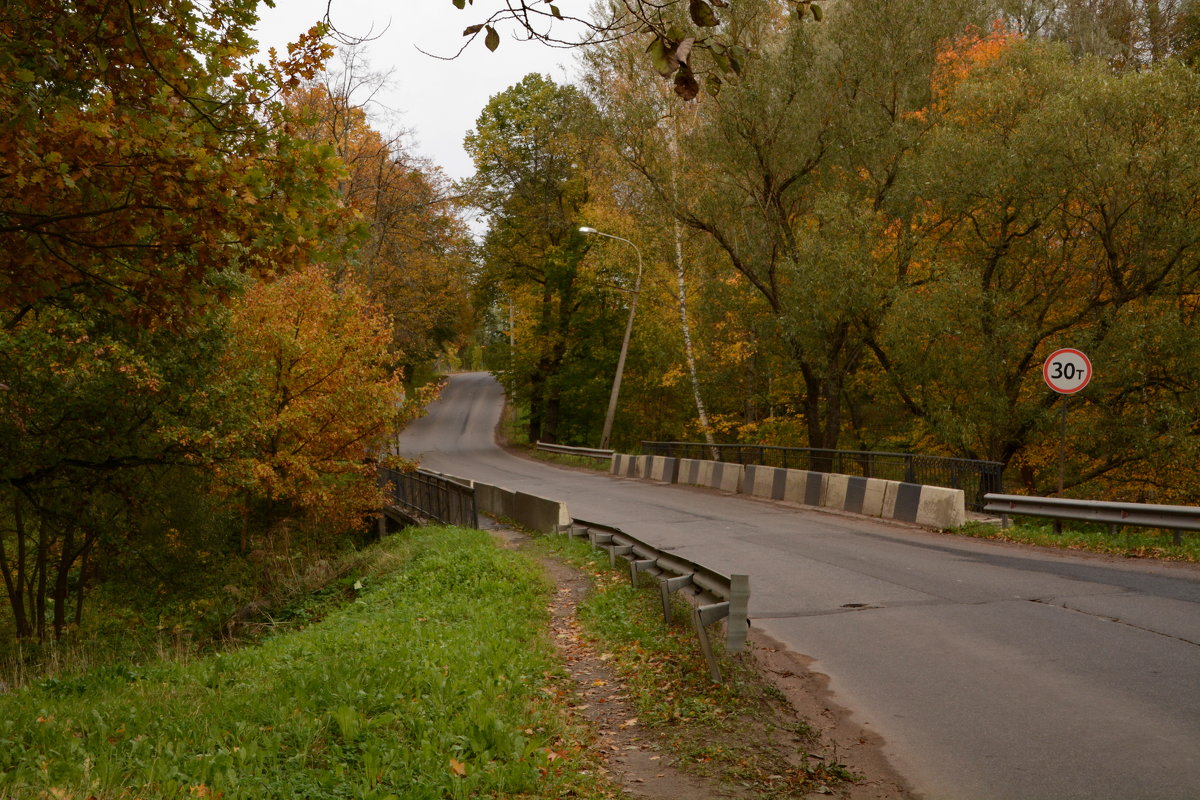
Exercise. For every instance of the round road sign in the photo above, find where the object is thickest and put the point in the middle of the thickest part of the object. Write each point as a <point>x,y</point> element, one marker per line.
<point>1067,371</point>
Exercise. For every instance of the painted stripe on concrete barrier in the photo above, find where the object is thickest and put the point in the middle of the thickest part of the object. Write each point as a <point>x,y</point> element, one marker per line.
<point>662,468</point>
<point>856,491</point>
<point>758,481</point>
<point>727,477</point>
<point>814,488</point>
<point>907,502</point>
<point>836,487</point>
<point>689,472</point>
<point>791,485</point>
<point>628,466</point>
<point>779,484</point>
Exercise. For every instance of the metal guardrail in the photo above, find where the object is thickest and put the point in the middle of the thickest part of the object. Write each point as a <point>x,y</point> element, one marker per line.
<point>975,478</point>
<point>582,452</point>
<point>1141,515</point>
<point>715,596</point>
<point>432,496</point>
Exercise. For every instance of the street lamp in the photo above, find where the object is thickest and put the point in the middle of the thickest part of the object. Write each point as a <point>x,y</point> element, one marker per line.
<point>616,387</point>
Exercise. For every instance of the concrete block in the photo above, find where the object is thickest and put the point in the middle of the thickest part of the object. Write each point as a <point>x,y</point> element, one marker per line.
<point>761,481</point>
<point>662,468</point>
<point>494,500</point>
<point>689,471</point>
<point>726,477</point>
<point>902,500</point>
<point>876,493</point>
<point>836,489</point>
<point>539,514</point>
<point>940,507</point>
<point>628,466</point>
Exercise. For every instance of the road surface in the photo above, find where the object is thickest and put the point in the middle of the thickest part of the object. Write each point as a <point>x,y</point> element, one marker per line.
<point>992,671</point>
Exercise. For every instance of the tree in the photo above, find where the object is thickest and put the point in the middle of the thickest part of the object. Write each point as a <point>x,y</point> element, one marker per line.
<point>144,169</point>
<point>414,250</point>
<point>311,362</point>
<point>1034,241</point>
<point>529,145</point>
<point>800,158</point>
<point>676,33</point>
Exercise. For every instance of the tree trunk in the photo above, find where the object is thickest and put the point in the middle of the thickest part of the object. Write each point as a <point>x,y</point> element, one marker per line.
<point>62,580</point>
<point>15,573</point>
<point>39,599</point>
<point>688,351</point>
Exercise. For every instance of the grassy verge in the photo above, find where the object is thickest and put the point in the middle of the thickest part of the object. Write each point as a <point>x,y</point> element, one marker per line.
<point>434,682</point>
<point>1129,542</point>
<point>596,464</point>
<point>741,732</point>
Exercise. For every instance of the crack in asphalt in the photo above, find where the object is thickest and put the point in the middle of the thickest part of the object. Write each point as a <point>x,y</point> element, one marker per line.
<point>1055,603</point>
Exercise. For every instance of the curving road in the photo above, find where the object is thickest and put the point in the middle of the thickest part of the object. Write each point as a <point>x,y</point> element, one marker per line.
<point>993,672</point>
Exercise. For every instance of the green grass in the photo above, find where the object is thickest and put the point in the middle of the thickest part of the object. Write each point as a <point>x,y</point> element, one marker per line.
<point>434,682</point>
<point>600,465</point>
<point>1129,542</point>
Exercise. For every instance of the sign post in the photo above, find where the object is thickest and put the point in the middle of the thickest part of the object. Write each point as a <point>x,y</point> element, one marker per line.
<point>1066,371</point>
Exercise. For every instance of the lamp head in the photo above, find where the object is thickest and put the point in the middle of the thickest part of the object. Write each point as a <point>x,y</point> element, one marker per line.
<point>586,229</point>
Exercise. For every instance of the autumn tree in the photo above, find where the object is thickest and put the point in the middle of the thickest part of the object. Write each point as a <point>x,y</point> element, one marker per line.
<point>144,169</point>
<point>799,157</point>
<point>311,364</point>
<point>414,248</point>
<point>1035,240</point>
<point>530,146</point>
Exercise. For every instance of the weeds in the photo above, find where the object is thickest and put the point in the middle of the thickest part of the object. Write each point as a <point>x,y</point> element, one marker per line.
<point>599,465</point>
<point>1129,542</point>
<point>428,684</point>
<point>741,732</point>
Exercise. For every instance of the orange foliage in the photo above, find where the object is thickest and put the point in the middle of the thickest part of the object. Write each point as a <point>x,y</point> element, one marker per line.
<point>415,246</point>
<point>321,396</point>
<point>969,52</point>
<point>960,56</point>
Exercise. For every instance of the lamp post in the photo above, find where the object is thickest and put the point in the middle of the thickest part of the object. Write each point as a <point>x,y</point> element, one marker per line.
<point>616,386</point>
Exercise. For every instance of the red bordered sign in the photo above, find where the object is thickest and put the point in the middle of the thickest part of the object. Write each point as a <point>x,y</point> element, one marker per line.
<point>1067,371</point>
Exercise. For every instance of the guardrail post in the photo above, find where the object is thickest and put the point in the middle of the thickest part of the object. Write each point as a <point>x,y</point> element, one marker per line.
<point>637,566</point>
<point>739,607</point>
<point>618,550</point>
<point>702,617</point>
<point>668,587</point>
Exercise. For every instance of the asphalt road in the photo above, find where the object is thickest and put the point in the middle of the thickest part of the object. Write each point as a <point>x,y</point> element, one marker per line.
<point>992,671</point>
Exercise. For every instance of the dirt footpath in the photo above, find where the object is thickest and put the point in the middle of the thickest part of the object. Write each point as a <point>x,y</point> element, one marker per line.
<point>637,758</point>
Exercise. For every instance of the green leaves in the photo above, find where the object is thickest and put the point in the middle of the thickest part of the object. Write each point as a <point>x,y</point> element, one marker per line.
<point>702,14</point>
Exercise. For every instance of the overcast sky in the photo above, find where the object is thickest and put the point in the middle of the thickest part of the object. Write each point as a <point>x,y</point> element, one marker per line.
<point>438,101</point>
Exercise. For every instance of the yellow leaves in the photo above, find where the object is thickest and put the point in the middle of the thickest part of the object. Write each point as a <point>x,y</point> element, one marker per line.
<point>313,359</point>
<point>458,768</point>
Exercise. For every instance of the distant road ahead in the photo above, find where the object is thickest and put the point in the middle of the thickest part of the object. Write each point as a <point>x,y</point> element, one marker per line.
<point>994,672</point>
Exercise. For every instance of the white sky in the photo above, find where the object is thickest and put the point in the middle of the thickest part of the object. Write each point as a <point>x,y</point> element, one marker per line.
<point>437,101</point>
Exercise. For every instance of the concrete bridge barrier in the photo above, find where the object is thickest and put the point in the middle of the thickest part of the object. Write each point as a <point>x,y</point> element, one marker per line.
<point>931,506</point>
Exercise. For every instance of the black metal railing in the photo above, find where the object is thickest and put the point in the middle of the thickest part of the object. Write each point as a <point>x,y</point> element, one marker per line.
<point>975,478</point>
<point>426,494</point>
